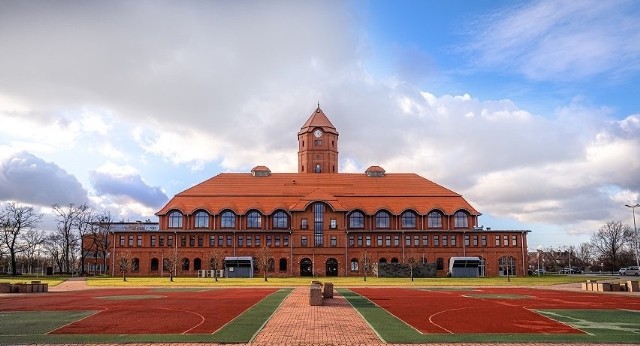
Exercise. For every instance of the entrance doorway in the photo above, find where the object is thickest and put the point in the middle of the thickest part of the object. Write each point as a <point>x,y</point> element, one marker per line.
<point>332,267</point>
<point>306,267</point>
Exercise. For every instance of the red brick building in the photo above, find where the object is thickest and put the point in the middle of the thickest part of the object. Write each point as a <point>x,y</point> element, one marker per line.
<point>319,221</point>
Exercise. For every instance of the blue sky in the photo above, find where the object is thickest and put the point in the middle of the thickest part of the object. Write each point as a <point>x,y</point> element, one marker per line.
<point>528,109</point>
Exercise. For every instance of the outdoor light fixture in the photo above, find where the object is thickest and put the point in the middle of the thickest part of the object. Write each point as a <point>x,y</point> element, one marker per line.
<point>635,229</point>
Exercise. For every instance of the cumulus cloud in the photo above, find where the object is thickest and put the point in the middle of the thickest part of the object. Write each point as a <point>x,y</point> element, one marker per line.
<point>560,40</point>
<point>126,184</point>
<point>29,179</point>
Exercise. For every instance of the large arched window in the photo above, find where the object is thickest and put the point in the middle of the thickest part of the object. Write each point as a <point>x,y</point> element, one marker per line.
<point>434,220</point>
<point>356,220</point>
<point>354,265</point>
<point>283,265</point>
<point>228,220</point>
<point>382,219</point>
<point>461,219</point>
<point>135,265</point>
<point>254,220</point>
<point>175,219</point>
<point>507,266</point>
<point>201,219</point>
<point>408,219</point>
<point>280,220</point>
<point>154,264</point>
<point>185,264</point>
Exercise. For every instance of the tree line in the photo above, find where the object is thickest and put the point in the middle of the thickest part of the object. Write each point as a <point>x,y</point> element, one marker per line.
<point>24,246</point>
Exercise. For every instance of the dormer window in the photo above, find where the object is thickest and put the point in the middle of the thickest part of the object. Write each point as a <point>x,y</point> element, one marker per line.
<point>375,171</point>
<point>260,171</point>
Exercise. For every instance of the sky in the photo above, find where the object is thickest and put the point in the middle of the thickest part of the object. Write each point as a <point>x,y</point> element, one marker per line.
<point>529,109</point>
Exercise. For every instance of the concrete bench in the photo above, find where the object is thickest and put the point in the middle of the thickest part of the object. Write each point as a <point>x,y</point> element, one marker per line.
<point>315,294</point>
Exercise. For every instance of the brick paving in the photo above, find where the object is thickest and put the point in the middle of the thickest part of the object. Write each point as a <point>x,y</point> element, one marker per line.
<point>295,322</point>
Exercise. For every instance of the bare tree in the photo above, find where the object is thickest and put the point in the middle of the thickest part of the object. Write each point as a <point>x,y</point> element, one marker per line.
<point>216,261</point>
<point>171,260</point>
<point>85,226</point>
<point>68,219</point>
<point>14,219</point>
<point>123,261</point>
<point>264,259</point>
<point>33,240</point>
<point>584,255</point>
<point>365,264</point>
<point>609,241</point>
<point>412,259</point>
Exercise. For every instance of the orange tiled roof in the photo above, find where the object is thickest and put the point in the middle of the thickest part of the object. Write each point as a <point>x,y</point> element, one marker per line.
<point>241,192</point>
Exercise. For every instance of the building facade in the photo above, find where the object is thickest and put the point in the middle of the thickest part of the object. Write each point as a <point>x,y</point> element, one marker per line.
<point>319,221</point>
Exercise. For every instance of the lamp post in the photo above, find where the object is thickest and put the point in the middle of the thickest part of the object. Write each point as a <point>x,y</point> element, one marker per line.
<point>635,229</point>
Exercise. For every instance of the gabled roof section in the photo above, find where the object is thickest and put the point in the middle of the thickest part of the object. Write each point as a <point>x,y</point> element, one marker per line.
<point>318,119</point>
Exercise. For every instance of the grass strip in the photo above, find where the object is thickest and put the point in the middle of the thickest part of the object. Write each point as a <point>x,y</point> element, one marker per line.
<point>16,323</point>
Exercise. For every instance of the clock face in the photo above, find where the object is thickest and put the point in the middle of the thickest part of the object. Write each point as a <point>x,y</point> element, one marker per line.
<point>317,133</point>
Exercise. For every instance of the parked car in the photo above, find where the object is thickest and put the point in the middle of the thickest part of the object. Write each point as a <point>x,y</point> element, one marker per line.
<point>570,271</point>
<point>633,270</point>
<point>621,271</point>
<point>539,271</point>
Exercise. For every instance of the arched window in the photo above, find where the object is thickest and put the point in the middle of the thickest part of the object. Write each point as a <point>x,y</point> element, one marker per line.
<point>185,264</point>
<point>175,219</point>
<point>228,220</point>
<point>197,264</point>
<point>461,219</point>
<point>154,264</point>
<point>271,264</point>
<point>283,265</point>
<point>408,219</point>
<point>394,260</point>
<point>382,219</point>
<point>280,220</point>
<point>201,219</point>
<point>254,220</point>
<point>440,263</point>
<point>135,265</point>
<point>356,220</point>
<point>382,260</point>
<point>354,265</point>
<point>434,220</point>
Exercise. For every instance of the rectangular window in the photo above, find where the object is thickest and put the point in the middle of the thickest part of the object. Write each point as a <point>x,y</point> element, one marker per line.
<point>334,224</point>
<point>436,240</point>
<point>396,240</point>
<point>212,240</point>
<point>334,241</point>
<point>220,240</point>
<point>192,240</point>
<point>514,240</point>
<point>505,240</point>
<point>183,240</point>
<point>304,224</point>
<point>161,241</point>
<point>475,240</point>
<point>360,240</point>
<point>387,240</point>
<point>416,240</point>
<point>229,241</point>
<point>318,224</point>
<point>140,240</point>
<point>484,240</point>
<point>170,240</point>
<point>425,240</point>
<point>131,240</point>
<point>379,241</point>
<point>407,240</point>
<point>153,240</point>
<point>453,239</point>
<point>352,241</point>
<point>303,241</point>
<point>268,241</point>
<point>200,240</point>
<point>445,241</point>
<point>497,240</point>
<point>258,240</point>
<point>368,240</point>
<point>467,240</point>
<point>285,241</point>
<point>277,240</point>
<point>240,241</point>
<point>249,240</point>
<point>121,240</point>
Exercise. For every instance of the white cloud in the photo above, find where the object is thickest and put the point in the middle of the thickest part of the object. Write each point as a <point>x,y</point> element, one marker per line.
<point>560,40</point>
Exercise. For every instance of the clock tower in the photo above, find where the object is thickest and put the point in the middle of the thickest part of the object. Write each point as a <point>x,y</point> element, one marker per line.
<point>318,145</point>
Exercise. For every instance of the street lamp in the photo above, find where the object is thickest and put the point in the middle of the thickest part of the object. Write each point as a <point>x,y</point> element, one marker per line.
<point>635,229</point>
